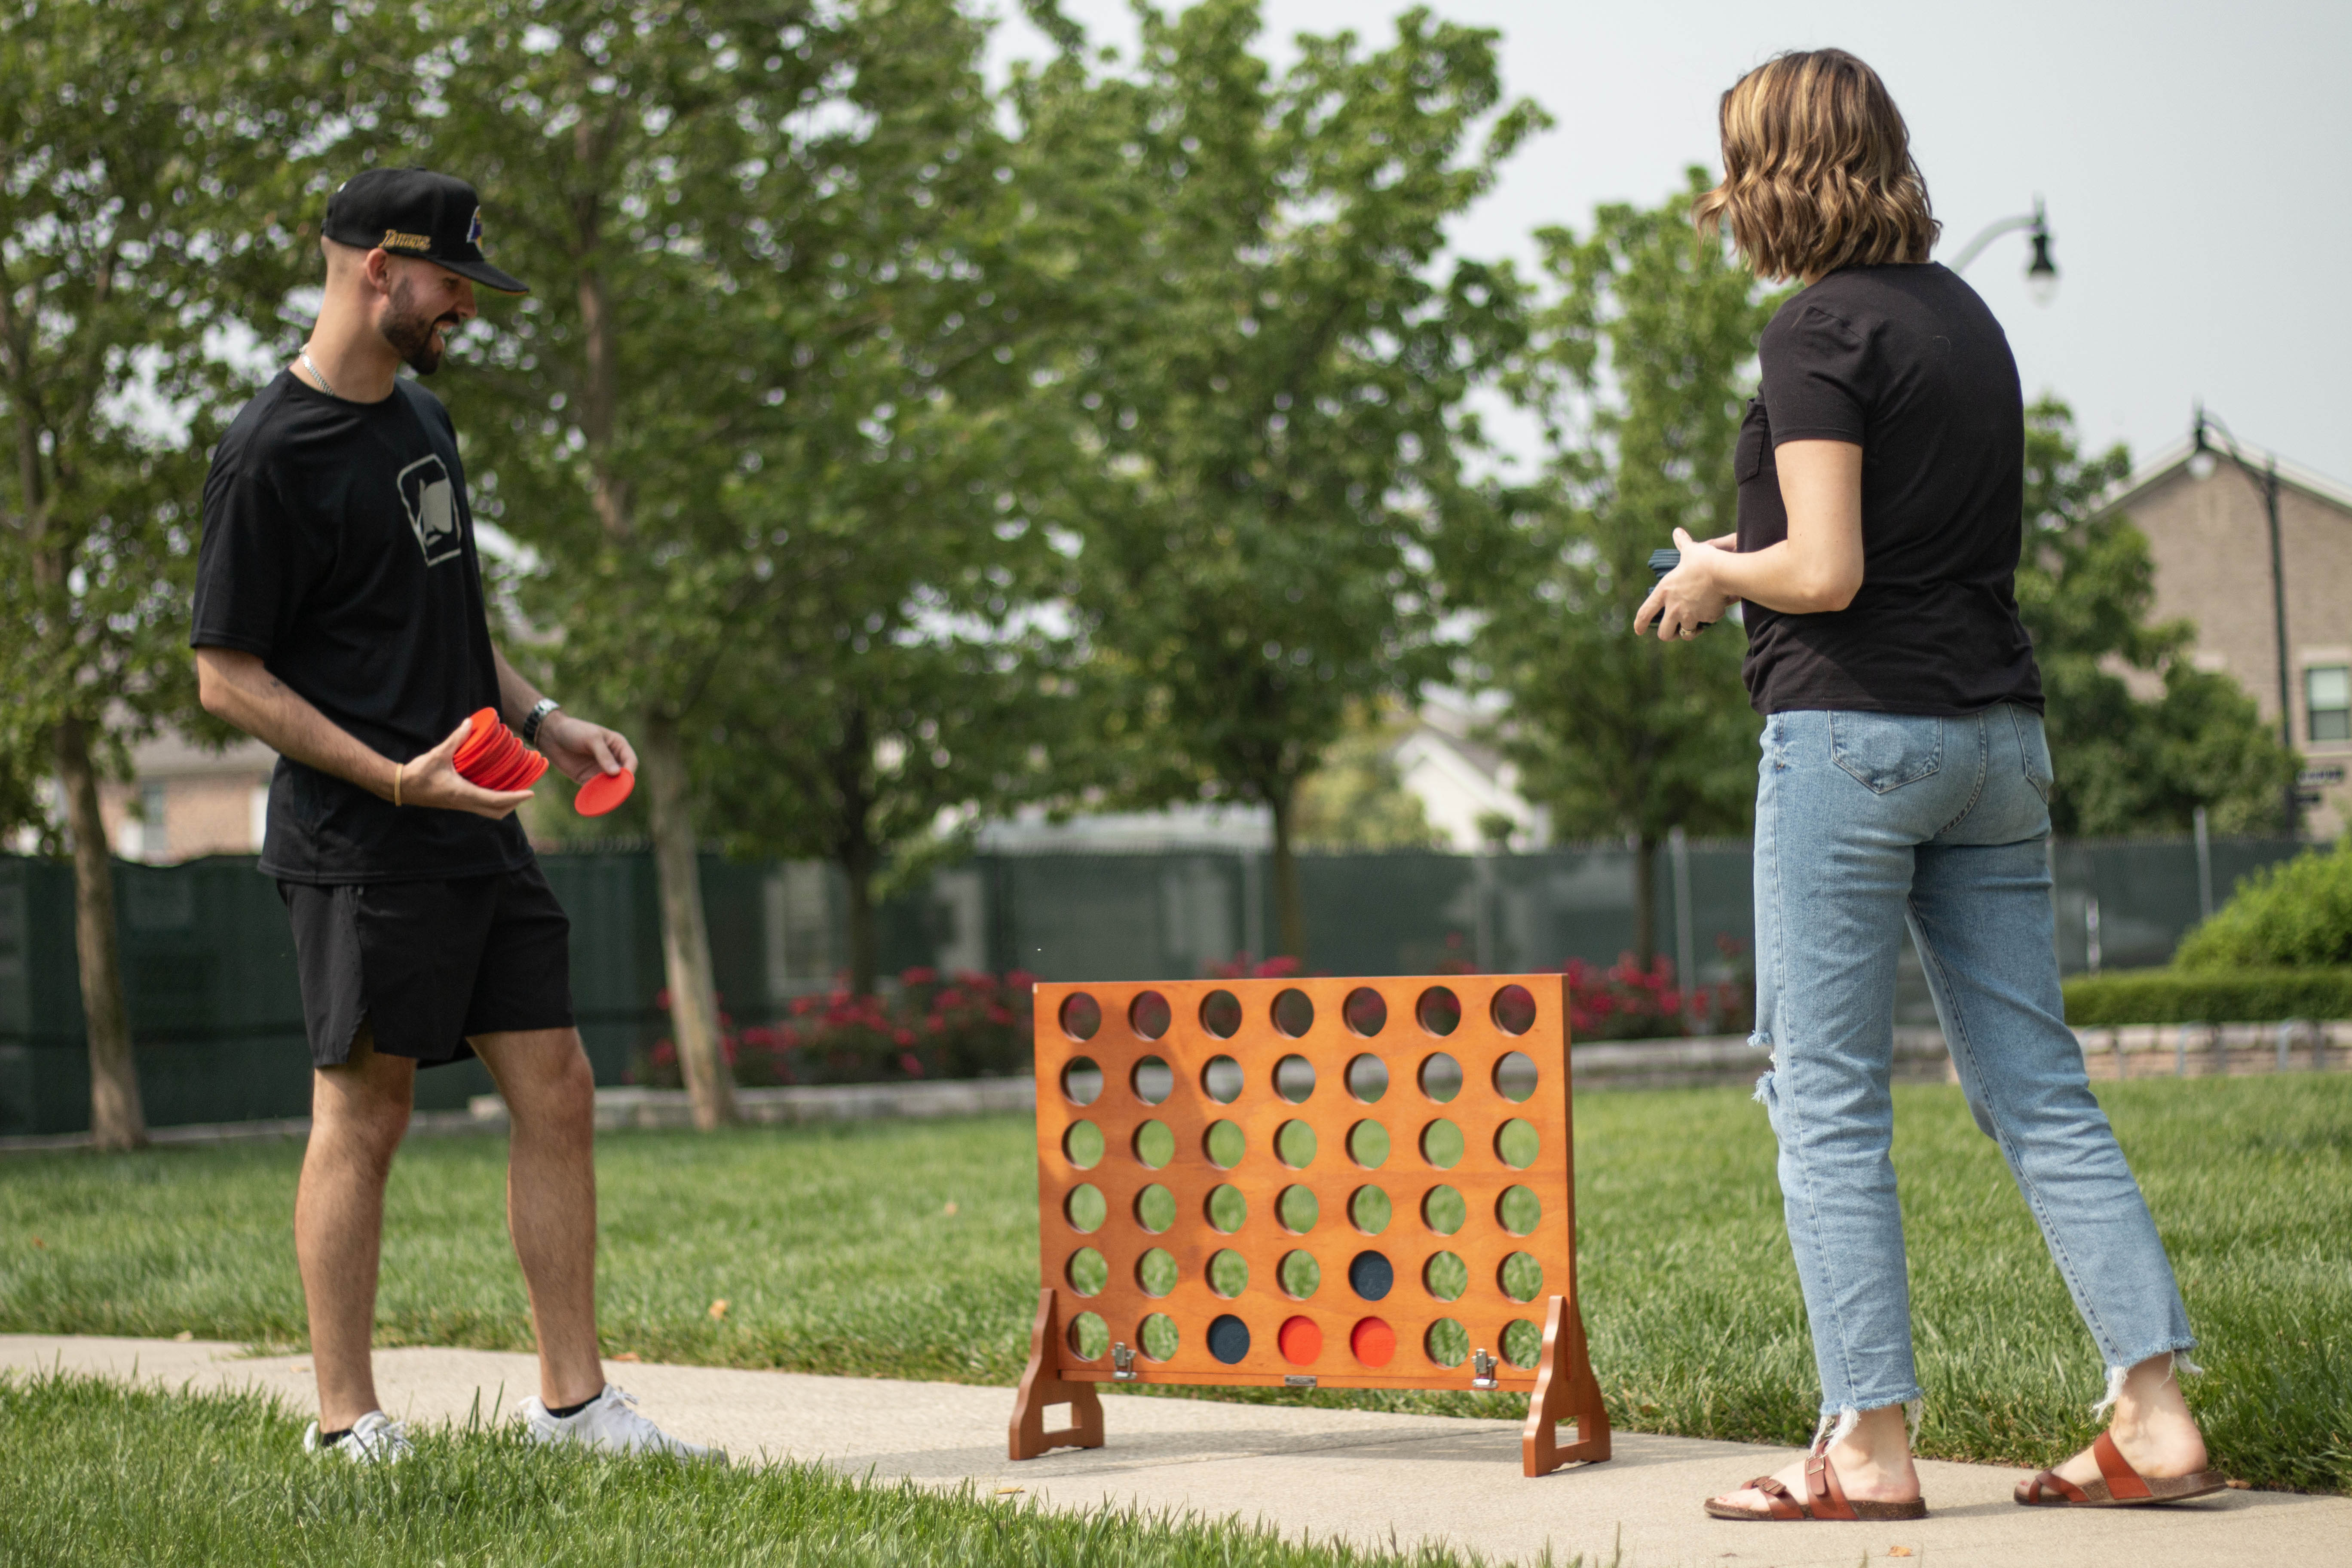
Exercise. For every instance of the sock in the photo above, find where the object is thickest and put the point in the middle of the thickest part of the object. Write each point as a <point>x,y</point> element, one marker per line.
<point>561,1412</point>
<point>329,1439</point>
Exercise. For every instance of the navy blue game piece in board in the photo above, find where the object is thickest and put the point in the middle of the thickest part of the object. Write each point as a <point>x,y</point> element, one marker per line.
<point>1370,1276</point>
<point>1229,1339</point>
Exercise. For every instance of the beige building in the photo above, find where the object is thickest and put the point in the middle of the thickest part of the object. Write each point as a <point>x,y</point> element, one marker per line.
<point>189,800</point>
<point>2209,533</point>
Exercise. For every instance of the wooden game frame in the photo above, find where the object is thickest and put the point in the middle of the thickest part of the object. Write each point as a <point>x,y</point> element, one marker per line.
<point>1558,1380</point>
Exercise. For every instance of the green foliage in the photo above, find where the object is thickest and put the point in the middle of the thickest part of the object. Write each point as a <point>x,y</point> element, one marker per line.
<point>1271,381</point>
<point>2296,914</point>
<point>1355,800</point>
<point>2219,995</point>
<point>156,204</point>
<point>1637,369</point>
<point>834,1247</point>
<point>2127,761</point>
<point>97,1474</point>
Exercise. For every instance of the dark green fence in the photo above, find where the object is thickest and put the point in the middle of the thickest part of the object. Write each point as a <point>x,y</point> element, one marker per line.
<point>216,1023</point>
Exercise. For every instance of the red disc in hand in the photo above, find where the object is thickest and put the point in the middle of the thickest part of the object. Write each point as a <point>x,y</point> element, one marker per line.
<point>479,727</point>
<point>602,793</point>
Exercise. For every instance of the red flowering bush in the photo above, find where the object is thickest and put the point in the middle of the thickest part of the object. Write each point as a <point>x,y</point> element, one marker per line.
<point>970,1026</point>
<point>1241,966</point>
<point>1625,1001</point>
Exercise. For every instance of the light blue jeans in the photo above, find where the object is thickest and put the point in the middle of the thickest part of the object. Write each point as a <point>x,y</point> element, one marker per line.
<point>1867,823</point>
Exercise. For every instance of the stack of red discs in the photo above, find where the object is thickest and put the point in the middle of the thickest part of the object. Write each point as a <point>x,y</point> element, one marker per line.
<point>494,756</point>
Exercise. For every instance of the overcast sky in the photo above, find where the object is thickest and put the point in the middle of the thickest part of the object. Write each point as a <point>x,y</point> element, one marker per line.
<point>2193,160</point>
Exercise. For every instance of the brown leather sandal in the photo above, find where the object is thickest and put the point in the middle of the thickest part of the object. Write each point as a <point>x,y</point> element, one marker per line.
<point>1824,1498</point>
<point>2123,1488</point>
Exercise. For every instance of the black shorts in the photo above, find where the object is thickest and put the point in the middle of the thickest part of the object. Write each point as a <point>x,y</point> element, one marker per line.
<point>426,964</point>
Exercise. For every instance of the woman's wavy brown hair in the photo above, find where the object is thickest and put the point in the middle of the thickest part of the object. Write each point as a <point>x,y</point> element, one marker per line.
<point>1817,170</point>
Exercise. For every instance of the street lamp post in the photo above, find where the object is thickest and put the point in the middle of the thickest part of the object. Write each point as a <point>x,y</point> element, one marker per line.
<point>2264,479</point>
<point>2041,272</point>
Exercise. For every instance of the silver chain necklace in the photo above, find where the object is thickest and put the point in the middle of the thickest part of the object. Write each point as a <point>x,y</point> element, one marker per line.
<point>311,365</point>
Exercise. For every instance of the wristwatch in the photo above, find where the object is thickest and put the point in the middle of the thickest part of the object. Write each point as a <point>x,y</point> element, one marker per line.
<point>536,717</point>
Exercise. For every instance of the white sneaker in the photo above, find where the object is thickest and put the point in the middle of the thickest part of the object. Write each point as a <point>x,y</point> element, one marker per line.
<point>374,1439</point>
<point>610,1422</point>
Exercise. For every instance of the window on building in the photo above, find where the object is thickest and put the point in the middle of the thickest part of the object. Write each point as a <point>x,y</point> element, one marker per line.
<point>155,843</point>
<point>2327,699</point>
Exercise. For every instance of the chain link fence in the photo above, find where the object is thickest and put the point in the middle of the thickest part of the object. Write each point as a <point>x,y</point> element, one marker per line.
<point>217,1023</point>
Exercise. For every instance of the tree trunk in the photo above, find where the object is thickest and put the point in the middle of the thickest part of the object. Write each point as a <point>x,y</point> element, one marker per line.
<point>117,1118</point>
<point>1645,900</point>
<point>1289,908</point>
<point>686,941</point>
<point>865,945</point>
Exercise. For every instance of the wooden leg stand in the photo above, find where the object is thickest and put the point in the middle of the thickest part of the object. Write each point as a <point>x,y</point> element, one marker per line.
<point>1565,1387</point>
<point>1040,1389</point>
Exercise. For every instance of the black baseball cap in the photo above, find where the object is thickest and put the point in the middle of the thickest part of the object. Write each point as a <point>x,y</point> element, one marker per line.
<point>415,212</point>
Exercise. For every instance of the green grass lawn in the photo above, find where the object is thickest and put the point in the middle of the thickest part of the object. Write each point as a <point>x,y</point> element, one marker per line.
<point>836,1251</point>
<point>95,1474</point>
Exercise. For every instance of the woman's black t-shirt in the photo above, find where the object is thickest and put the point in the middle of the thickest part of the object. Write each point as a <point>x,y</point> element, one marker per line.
<point>338,547</point>
<point>1905,363</point>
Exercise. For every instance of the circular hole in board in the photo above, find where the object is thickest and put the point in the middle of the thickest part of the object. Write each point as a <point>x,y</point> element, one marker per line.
<point>1089,1336</point>
<point>1149,1015</point>
<point>1157,1338</point>
<point>1515,1077</point>
<point>1225,1209</point>
<point>1221,1014</point>
<point>1294,1014</point>
<point>1294,1078</point>
<point>1220,1079</point>
<point>1082,1082</point>
<point>1155,1271</point>
<point>1365,1012</point>
<point>1368,1144</point>
<point>1519,1211</point>
<point>1439,1011</point>
<point>1520,1277</point>
<point>1298,1210</point>
<point>1522,1342</point>
<point>1151,1081</point>
<point>1294,1145</point>
<point>1516,1143</point>
<point>1301,1342</point>
<point>1441,1077</point>
<point>1445,1275</point>
<point>1372,1341</point>
<point>1447,1342</point>
<point>1155,1208</point>
<point>1370,1275</point>
<point>1368,1210</point>
<point>1154,1144</point>
<point>1224,1144</point>
<point>1086,1208</point>
<point>1444,1210</point>
<point>1367,1079</point>
<point>1082,1145</point>
<point>1229,1339</point>
<point>1228,1272</point>
<point>1513,1010</point>
<point>1088,1271</point>
<point>1298,1275</point>
<point>1441,1145</point>
<point>1081,1015</point>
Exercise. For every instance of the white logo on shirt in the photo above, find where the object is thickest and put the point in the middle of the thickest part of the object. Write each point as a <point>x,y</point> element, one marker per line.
<point>432,503</point>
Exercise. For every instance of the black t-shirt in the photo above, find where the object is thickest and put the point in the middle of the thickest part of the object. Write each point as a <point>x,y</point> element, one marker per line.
<point>338,547</point>
<point>1905,363</point>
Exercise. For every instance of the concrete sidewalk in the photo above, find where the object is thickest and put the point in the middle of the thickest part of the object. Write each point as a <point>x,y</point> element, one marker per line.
<point>1365,1476</point>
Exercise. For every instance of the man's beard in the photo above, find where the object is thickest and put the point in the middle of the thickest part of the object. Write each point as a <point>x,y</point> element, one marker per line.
<point>410,331</point>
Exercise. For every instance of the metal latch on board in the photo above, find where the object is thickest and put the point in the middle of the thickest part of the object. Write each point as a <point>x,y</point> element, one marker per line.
<point>1122,1364</point>
<point>1297,1380</point>
<point>1482,1371</point>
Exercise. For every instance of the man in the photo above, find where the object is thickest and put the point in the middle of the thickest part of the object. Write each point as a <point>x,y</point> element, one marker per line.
<point>339,619</point>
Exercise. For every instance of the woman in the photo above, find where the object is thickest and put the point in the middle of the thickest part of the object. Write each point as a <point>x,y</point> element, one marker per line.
<point>1904,781</point>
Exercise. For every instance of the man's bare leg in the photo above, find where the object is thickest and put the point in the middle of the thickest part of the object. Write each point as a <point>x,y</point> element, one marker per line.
<point>358,1114</point>
<point>551,1095</point>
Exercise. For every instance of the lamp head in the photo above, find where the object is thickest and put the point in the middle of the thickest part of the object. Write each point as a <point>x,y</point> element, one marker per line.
<point>2200,457</point>
<point>2041,273</point>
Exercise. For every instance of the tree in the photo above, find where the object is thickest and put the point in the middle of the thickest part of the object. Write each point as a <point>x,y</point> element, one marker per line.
<point>1637,369</point>
<point>1355,798</point>
<point>161,162</point>
<point>715,205</point>
<point>1270,378</point>
<point>2127,760</point>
